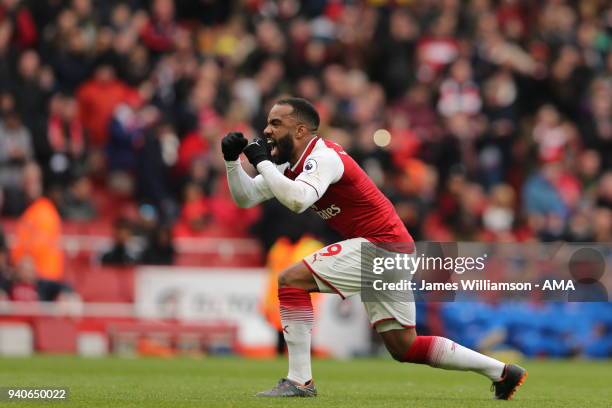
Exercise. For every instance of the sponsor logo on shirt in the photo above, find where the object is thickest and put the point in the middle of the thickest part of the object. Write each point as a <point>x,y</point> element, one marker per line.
<point>329,212</point>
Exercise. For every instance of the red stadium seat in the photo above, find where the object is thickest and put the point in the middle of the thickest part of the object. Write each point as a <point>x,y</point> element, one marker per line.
<point>106,285</point>
<point>55,335</point>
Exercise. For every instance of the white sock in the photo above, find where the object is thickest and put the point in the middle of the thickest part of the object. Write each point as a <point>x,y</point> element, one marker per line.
<point>449,355</point>
<point>297,335</point>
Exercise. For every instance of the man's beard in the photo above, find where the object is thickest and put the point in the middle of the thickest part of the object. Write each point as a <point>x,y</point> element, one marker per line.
<point>284,149</point>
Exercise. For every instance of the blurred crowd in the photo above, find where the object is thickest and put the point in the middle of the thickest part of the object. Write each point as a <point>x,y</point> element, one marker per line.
<point>535,330</point>
<point>499,112</point>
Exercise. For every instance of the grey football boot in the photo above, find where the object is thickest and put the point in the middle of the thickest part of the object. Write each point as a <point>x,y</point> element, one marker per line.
<point>512,378</point>
<point>287,388</point>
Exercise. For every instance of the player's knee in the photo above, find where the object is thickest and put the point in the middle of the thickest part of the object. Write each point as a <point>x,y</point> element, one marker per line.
<point>283,279</point>
<point>398,342</point>
<point>397,354</point>
<point>297,276</point>
<point>400,350</point>
<point>288,278</point>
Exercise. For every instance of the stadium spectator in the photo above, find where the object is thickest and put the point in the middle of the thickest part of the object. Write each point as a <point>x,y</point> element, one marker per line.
<point>414,189</point>
<point>193,147</point>
<point>18,15</point>
<point>602,224</point>
<point>16,201</point>
<point>159,249</point>
<point>155,158</point>
<point>416,107</point>
<point>77,204</point>
<point>146,221</point>
<point>72,63</point>
<point>596,124</point>
<point>205,174</point>
<point>540,193</point>
<point>16,150</point>
<point>26,285</point>
<point>195,212</point>
<point>396,54</point>
<point>120,253</point>
<point>498,216</point>
<point>67,141</point>
<point>126,133</point>
<point>32,87</point>
<point>98,98</point>
<point>39,231</point>
<point>438,47</point>
<point>459,93</point>
<point>158,34</point>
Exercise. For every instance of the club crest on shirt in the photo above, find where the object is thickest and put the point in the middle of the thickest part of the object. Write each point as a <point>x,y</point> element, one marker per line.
<point>310,166</point>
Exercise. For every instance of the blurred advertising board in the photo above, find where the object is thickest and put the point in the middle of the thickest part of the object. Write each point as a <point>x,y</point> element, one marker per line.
<point>233,295</point>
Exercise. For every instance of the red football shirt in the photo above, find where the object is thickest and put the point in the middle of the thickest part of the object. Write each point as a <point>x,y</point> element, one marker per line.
<point>351,204</point>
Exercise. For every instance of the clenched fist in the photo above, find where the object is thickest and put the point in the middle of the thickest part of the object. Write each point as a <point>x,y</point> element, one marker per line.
<point>232,145</point>
<point>257,151</point>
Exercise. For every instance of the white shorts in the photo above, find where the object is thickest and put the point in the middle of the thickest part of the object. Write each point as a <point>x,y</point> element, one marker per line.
<point>337,269</point>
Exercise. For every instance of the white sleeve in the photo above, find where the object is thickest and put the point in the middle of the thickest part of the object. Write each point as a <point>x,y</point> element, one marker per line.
<point>246,191</point>
<point>320,170</point>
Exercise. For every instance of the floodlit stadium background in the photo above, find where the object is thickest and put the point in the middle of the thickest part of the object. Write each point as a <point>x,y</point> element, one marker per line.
<point>480,120</point>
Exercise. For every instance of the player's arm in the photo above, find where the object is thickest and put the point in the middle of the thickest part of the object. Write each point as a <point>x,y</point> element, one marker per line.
<point>245,190</point>
<point>299,194</point>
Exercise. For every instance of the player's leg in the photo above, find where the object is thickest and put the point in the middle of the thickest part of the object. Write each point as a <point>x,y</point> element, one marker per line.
<point>297,276</point>
<point>294,287</point>
<point>405,346</point>
<point>333,269</point>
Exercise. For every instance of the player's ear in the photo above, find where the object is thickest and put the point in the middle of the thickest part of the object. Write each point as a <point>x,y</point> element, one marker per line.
<point>302,131</point>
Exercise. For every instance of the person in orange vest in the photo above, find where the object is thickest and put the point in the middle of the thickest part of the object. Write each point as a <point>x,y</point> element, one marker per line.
<point>39,231</point>
<point>282,254</point>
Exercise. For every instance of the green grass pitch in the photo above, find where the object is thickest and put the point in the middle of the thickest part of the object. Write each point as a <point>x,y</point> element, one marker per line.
<point>231,382</point>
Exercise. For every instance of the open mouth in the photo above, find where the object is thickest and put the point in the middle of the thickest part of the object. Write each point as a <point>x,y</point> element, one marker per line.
<point>272,146</point>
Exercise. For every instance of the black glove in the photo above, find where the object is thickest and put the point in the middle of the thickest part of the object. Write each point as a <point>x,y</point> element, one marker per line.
<point>257,151</point>
<point>232,145</point>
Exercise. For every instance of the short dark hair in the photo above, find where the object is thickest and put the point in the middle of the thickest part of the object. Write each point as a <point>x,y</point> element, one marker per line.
<point>303,111</point>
